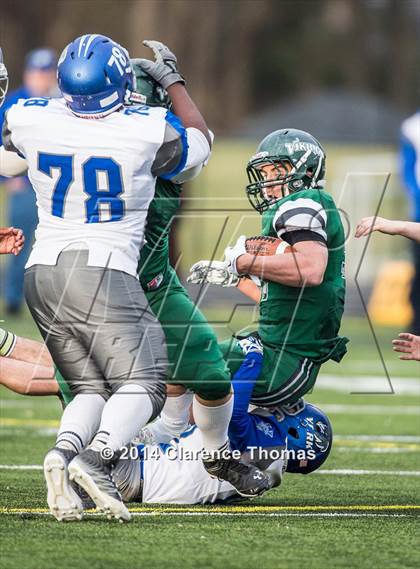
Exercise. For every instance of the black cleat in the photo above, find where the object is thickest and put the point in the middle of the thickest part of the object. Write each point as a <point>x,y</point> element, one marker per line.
<point>248,480</point>
<point>94,474</point>
<point>63,501</point>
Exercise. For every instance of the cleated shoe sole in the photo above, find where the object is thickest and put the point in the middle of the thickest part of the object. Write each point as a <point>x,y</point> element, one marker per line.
<point>111,507</point>
<point>64,503</point>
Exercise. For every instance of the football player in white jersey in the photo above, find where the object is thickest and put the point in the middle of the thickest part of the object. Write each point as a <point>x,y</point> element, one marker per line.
<point>94,180</point>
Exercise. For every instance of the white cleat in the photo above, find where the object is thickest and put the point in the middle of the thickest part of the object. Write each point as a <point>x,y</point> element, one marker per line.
<point>90,472</point>
<point>64,503</point>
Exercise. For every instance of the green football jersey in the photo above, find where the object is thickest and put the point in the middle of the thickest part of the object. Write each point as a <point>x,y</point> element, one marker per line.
<point>306,320</point>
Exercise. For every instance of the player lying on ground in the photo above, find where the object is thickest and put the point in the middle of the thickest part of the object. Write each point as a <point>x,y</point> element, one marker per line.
<point>213,414</point>
<point>407,344</point>
<point>173,473</point>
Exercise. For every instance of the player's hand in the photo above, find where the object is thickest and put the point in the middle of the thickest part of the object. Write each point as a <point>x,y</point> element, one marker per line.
<point>407,344</point>
<point>369,224</point>
<point>212,272</point>
<point>232,254</point>
<point>12,240</point>
<point>164,68</point>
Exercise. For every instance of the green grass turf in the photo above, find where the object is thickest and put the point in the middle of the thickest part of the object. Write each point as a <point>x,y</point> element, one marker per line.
<point>371,533</point>
<point>156,542</point>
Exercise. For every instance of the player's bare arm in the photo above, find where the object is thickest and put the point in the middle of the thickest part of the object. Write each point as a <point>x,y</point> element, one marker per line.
<point>409,229</point>
<point>187,110</point>
<point>164,69</point>
<point>249,289</point>
<point>26,366</point>
<point>304,267</point>
<point>27,378</point>
<point>32,351</point>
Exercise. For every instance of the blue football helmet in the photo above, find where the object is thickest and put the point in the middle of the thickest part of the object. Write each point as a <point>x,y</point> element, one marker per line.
<point>4,79</point>
<point>308,431</point>
<point>95,76</point>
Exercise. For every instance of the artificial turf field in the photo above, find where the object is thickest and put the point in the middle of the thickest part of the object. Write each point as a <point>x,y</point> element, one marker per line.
<point>360,510</point>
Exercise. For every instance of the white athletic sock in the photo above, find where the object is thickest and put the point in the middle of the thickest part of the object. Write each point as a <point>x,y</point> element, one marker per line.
<point>173,420</point>
<point>80,421</point>
<point>124,414</point>
<point>213,423</point>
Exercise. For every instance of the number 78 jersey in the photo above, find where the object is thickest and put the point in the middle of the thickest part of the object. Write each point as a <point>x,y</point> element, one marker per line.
<point>92,177</point>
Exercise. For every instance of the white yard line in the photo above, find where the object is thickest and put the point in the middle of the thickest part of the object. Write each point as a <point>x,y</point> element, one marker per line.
<point>338,472</point>
<point>20,467</point>
<point>237,515</point>
<point>352,472</point>
<point>386,438</point>
<point>370,409</point>
<point>369,384</point>
<point>378,450</point>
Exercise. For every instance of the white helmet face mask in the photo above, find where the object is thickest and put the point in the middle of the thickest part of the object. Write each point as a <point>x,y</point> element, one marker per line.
<point>4,79</point>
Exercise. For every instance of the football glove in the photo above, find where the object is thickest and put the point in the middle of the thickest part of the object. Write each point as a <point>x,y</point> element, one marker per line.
<point>164,68</point>
<point>251,343</point>
<point>212,272</point>
<point>232,254</point>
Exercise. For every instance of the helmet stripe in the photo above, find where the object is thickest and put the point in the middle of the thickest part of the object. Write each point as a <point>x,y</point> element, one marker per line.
<point>90,40</point>
<point>82,39</point>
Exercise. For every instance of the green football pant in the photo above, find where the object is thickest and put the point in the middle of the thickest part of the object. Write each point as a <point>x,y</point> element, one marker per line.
<point>195,359</point>
<point>65,393</point>
<point>284,378</point>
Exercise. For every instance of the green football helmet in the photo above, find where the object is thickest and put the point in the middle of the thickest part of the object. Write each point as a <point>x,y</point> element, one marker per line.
<point>147,90</point>
<point>295,150</point>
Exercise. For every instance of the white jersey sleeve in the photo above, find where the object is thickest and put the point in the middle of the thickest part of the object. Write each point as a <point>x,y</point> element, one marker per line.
<point>93,179</point>
<point>198,156</point>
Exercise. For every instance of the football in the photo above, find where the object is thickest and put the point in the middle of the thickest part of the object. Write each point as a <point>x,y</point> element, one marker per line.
<point>264,245</point>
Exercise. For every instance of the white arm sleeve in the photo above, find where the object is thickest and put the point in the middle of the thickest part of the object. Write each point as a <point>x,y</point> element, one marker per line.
<point>11,164</point>
<point>198,155</point>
